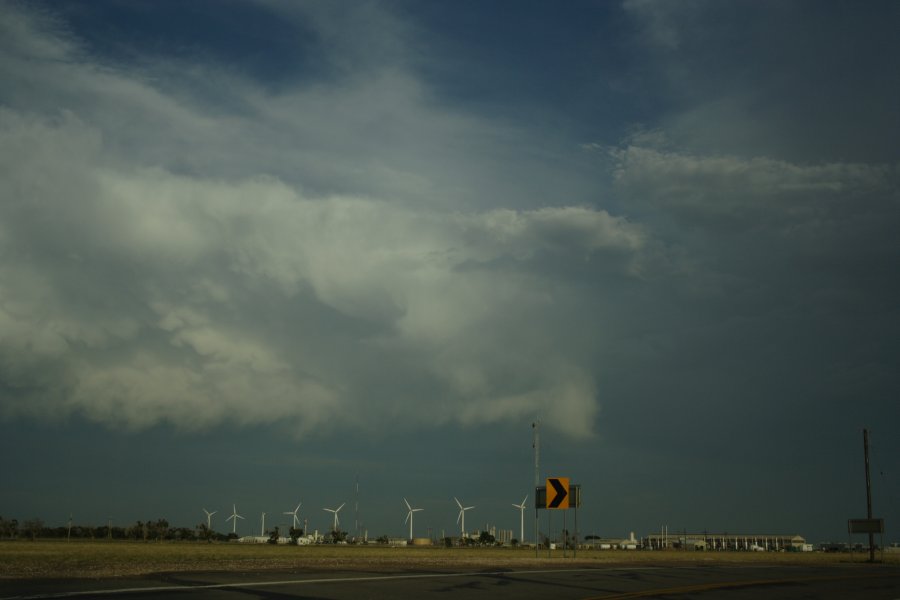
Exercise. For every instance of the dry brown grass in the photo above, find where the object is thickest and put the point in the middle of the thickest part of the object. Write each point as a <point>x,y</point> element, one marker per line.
<point>102,559</point>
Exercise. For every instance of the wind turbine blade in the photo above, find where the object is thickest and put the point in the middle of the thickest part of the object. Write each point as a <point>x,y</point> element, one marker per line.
<point>340,507</point>
<point>459,516</point>
<point>298,507</point>
<point>524,499</point>
<point>457,502</point>
<point>407,504</point>
<point>408,515</point>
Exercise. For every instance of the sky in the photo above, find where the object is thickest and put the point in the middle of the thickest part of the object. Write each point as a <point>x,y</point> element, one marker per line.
<point>253,253</point>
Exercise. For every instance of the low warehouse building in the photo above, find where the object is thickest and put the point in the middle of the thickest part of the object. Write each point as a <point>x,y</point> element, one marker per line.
<point>771,542</point>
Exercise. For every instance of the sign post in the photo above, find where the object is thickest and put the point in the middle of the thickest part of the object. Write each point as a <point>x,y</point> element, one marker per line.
<point>558,494</point>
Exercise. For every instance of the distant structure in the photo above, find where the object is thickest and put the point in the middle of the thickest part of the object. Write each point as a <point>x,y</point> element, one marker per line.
<point>409,516</point>
<point>521,508</point>
<point>293,513</point>
<point>461,518</point>
<point>772,542</point>
<point>209,518</point>
<point>335,511</point>
<point>233,518</point>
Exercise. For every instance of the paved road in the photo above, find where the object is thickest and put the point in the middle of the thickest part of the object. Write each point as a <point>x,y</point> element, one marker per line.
<point>707,583</point>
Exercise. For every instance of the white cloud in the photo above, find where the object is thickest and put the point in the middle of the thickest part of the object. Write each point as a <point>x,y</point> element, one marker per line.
<point>144,285</point>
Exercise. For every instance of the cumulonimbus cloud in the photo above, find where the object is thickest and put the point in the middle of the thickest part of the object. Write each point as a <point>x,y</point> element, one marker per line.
<point>156,297</point>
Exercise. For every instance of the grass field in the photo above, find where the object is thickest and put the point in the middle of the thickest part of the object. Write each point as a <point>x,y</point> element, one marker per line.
<point>102,559</point>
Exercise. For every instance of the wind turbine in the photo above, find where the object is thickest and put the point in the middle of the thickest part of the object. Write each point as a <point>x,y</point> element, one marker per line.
<point>262,532</point>
<point>521,508</point>
<point>335,511</point>
<point>294,514</point>
<point>209,518</point>
<point>233,518</point>
<point>462,516</point>
<point>409,517</point>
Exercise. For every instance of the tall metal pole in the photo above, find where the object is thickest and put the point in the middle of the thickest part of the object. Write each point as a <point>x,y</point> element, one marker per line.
<point>869,495</point>
<point>536,444</point>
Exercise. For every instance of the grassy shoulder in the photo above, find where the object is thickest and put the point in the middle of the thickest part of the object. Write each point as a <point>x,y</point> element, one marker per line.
<point>104,559</point>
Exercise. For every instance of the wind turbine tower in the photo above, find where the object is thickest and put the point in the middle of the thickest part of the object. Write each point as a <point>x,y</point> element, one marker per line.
<point>335,511</point>
<point>521,508</point>
<point>233,518</point>
<point>262,531</point>
<point>209,518</point>
<point>293,513</point>
<point>409,516</point>
<point>461,518</point>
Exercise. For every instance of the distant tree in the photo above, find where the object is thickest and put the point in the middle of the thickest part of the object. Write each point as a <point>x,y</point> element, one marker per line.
<point>204,533</point>
<point>383,539</point>
<point>33,527</point>
<point>486,539</point>
<point>273,537</point>
<point>296,533</point>
<point>162,529</point>
<point>338,536</point>
<point>448,542</point>
<point>514,542</point>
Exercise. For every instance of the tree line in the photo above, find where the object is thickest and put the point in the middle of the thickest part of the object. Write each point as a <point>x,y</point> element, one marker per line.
<point>150,530</point>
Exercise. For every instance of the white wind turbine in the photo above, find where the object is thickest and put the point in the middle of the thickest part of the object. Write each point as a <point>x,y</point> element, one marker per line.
<point>262,531</point>
<point>233,518</point>
<point>462,516</point>
<point>293,513</point>
<point>409,517</point>
<point>521,508</point>
<point>335,511</point>
<point>209,518</point>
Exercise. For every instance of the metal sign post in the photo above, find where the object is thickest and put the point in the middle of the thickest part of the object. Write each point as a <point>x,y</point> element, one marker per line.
<point>559,494</point>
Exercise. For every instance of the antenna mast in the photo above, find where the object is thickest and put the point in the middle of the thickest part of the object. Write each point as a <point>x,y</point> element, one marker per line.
<point>868,495</point>
<point>536,444</point>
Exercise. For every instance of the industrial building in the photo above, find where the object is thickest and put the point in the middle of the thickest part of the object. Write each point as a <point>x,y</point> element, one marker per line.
<point>725,541</point>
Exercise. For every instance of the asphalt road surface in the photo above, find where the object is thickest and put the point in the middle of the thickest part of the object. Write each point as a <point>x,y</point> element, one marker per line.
<point>713,582</point>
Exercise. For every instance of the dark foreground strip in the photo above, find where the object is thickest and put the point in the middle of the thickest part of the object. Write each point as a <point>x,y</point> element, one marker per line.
<point>707,587</point>
<point>257,584</point>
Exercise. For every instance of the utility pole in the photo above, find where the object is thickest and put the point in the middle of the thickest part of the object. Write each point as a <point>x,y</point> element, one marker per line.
<point>868,495</point>
<point>536,444</point>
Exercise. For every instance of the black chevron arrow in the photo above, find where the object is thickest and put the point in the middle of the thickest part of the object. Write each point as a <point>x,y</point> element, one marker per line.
<point>561,493</point>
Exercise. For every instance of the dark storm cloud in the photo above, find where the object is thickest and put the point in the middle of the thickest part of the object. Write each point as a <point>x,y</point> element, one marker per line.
<point>676,254</point>
<point>137,284</point>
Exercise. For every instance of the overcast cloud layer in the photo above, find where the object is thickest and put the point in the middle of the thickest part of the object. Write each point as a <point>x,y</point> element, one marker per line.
<point>376,240</point>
